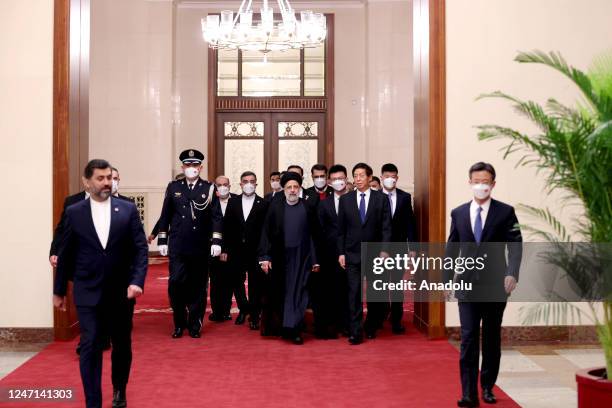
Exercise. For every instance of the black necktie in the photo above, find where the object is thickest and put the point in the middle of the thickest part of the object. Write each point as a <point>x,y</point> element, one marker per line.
<point>191,186</point>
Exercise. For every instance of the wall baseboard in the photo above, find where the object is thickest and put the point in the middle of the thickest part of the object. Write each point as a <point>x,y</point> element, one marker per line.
<point>529,335</point>
<point>12,335</point>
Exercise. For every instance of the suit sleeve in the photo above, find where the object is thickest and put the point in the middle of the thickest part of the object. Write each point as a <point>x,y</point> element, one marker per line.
<point>264,253</point>
<point>411,222</point>
<point>341,228</point>
<point>66,258</point>
<point>452,246</point>
<point>163,223</point>
<point>59,228</point>
<point>515,247</point>
<point>141,253</point>
<point>217,221</point>
<point>317,235</point>
<point>386,221</point>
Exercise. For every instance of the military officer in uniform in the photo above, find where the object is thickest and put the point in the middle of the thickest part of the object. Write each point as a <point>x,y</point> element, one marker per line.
<point>189,231</point>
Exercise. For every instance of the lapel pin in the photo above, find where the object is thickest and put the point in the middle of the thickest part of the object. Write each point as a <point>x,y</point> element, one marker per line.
<point>116,209</point>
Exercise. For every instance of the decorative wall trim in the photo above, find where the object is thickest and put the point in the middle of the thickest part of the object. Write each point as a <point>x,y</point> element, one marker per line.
<point>522,335</point>
<point>11,335</point>
<point>270,104</point>
<point>298,5</point>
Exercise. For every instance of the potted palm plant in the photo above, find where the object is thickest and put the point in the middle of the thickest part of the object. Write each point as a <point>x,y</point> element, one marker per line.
<point>573,150</point>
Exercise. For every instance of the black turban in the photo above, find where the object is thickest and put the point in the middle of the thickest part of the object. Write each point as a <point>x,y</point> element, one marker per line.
<point>290,175</point>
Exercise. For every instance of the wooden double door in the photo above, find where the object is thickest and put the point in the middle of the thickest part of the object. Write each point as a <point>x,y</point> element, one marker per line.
<point>264,142</point>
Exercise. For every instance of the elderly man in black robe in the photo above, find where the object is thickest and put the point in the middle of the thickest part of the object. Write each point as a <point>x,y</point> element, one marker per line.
<point>287,256</point>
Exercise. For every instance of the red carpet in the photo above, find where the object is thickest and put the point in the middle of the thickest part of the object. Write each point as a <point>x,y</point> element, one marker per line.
<point>231,366</point>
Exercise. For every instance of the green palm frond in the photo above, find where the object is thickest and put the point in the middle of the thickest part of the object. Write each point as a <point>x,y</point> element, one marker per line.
<point>557,313</point>
<point>556,230</point>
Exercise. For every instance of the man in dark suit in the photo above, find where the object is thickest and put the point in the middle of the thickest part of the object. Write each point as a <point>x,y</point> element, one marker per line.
<point>329,288</point>
<point>190,217</point>
<point>480,228</point>
<point>221,282</point>
<point>363,216</point>
<point>319,177</point>
<point>103,250</point>
<point>275,177</point>
<point>244,221</point>
<point>59,228</point>
<point>403,229</point>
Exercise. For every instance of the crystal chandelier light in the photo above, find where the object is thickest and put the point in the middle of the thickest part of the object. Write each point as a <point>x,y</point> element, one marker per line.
<point>239,31</point>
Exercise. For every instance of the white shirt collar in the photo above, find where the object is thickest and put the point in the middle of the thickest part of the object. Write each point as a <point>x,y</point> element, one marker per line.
<point>384,190</point>
<point>249,198</point>
<point>485,206</point>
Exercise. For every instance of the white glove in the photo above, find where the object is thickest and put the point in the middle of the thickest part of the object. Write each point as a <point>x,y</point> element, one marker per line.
<point>163,250</point>
<point>215,250</point>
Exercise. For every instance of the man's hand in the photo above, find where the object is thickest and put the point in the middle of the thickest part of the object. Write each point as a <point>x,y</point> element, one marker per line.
<point>133,291</point>
<point>342,261</point>
<point>163,250</point>
<point>59,302</point>
<point>215,250</point>
<point>223,257</point>
<point>266,266</point>
<point>150,238</point>
<point>53,260</point>
<point>509,284</point>
<point>316,268</point>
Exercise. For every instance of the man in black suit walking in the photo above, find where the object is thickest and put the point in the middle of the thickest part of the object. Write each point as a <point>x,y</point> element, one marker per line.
<point>330,289</point>
<point>103,249</point>
<point>480,228</point>
<point>363,216</point>
<point>318,172</point>
<point>403,229</point>
<point>243,223</point>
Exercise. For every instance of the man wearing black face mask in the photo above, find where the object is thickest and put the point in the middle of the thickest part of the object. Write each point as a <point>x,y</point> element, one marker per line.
<point>189,232</point>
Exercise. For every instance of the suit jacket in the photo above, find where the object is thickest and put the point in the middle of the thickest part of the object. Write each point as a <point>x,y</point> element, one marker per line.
<point>403,223</point>
<point>268,197</point>
<point>500,227</point>
<point>59,228</point>
<point>376,228</point>
<point>328,218</point>
<point>240,237</point>
<point>100,272</point>
<point>187,223</point>
<point>328,191</point>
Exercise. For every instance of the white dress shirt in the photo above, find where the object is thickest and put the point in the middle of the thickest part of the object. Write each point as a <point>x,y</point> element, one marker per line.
<point>337,201</point>
<point>101,214</point>
<point>367,198</point>
<point>483,214</point>
<point>247,205</point>
<point>223,202</point>
<point>393,196</point>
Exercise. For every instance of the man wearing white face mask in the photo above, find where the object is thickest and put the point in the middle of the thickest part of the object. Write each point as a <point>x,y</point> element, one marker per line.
<point>329,289</point>
<point>115,186</point>
<point>220,279</point>
<point>190,230</point>
<point>403,229</point>
<point>486,228</point>
<point>244,219</point>
<point>275,185</point>
<point>319,177</point>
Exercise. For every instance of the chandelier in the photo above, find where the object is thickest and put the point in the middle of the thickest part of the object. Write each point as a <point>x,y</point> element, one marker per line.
<point>240,31</point>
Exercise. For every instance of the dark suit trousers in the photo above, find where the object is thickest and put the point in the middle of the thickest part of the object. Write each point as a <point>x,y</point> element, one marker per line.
<point>470,315</point>
<point>396,298</point>
<point>187,289</point>
<point>355,303</point>
<point>113,318</point>
<point>256,288</point>
<point>328,290</point>
<point>221,285</point>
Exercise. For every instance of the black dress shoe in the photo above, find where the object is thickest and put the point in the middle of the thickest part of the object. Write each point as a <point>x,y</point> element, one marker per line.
<point>214,318</point>
<point>119,399</point>
<point>177,333</point>
<point>194,334</point>
<point>468,402</point>
<point>241,318</point>
<point>254,325</point>
<point>227,317</point>
<point>298,340</point>
<point>78,349</point>
<point>398,329</point>
<point>354,340</point>
<point>107,344</point>
<point>488,396</point>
